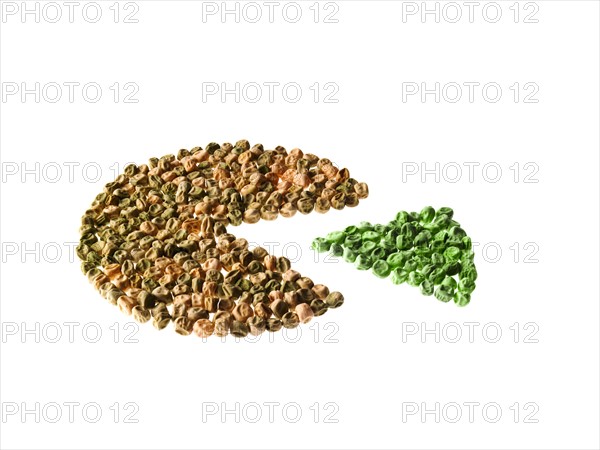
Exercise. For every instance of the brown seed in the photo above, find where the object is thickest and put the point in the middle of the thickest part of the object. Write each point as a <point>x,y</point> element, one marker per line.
<point>239,329</point>
<point>262,310</point>
<point>335,300</point>
<point>291,275</point>
<point>305,283</point>
<point>321,291</point>
<point>362,190</point>
<point>257,325</point>
<point>288,210</point>
<point>292,299</point>
<point>274,325</point>
<point>251,216</point>
<point>322,205</point>
<point>203,328</point>
<point>161,321</point>
<point>126,304</point>
<point>140,314</point>
<point>195,314</point>
<point>242,312</point>
<point>304,312</point>
<point>183,300</point>
<point>319,307</point>
<point>183,326</point>
<point>290,320</point>
<point>279,308</point>
<point>222,327</point>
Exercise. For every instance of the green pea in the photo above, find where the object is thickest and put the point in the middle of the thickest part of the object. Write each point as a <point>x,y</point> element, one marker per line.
<point>349,255</point>
<point>437,276</point>
<point>457,232</point>
<point>452,268</point>
<point>422,238</point>
<point>462,299</point>
<point>337,250</point>
<point>381,269</point>
<point>351,230</point>
<point>410,265</point>
<point>336,237</point>
<point>403,242</point>
<point>437,259</point>
<point>399,276</point>
<point>378,253</point>
<point>321,245</point>
<point>396,260</point>
<point>452,254</point>
<point>364,226</point>
<point>467,243</point>
<point>427,214</point>
<point>466,286</point>
<point>444,210</point>
<point>423,251</point>
<point>353,241</point>
<point>450,283</point>
<point>443,294</point>
<point>371,236</point>
<point>414,278</point>
<point>367,247</point>
<point>468,272</point>
<point>427,269</point>
<point>389,245</point>
<point>442,220</point>
<point>426,287</point>
<point>363,262</point>
<point>402,217</point>
<point>409,230</point>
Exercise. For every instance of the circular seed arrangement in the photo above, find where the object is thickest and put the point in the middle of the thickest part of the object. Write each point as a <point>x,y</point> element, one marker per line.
<point>155,241</point>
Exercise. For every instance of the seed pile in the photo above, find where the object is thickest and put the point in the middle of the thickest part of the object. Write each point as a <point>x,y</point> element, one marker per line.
<point>427,249</point>
<point>155,241</point>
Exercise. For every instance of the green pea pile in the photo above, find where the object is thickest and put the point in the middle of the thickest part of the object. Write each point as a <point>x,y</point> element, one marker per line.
<point>427,249</point>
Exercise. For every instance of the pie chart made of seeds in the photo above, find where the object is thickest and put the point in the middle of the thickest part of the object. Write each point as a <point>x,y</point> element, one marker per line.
<point>156,243</point>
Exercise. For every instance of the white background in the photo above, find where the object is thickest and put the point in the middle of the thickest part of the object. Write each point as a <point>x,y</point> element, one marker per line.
<point>360,359</point>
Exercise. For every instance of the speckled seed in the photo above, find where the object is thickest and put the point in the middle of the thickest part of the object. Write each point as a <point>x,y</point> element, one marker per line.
<point>335,300</point>
<point>222,327</point>
<point>203,328</point>
<point>279,308</point>
<point>161,321</point>
<point>319,307</point>
<point>304,312</point>
<point>140,314</point>
<point>256,325</point>
<point>239,329</point>
<point>195,314</point>
<point>242,312</point>
<point>290,320</point>
<point>274,325</point>
<point>183,325</point>
<point>263,311</point>
<point>126,304</point>
<point>321,291</point>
